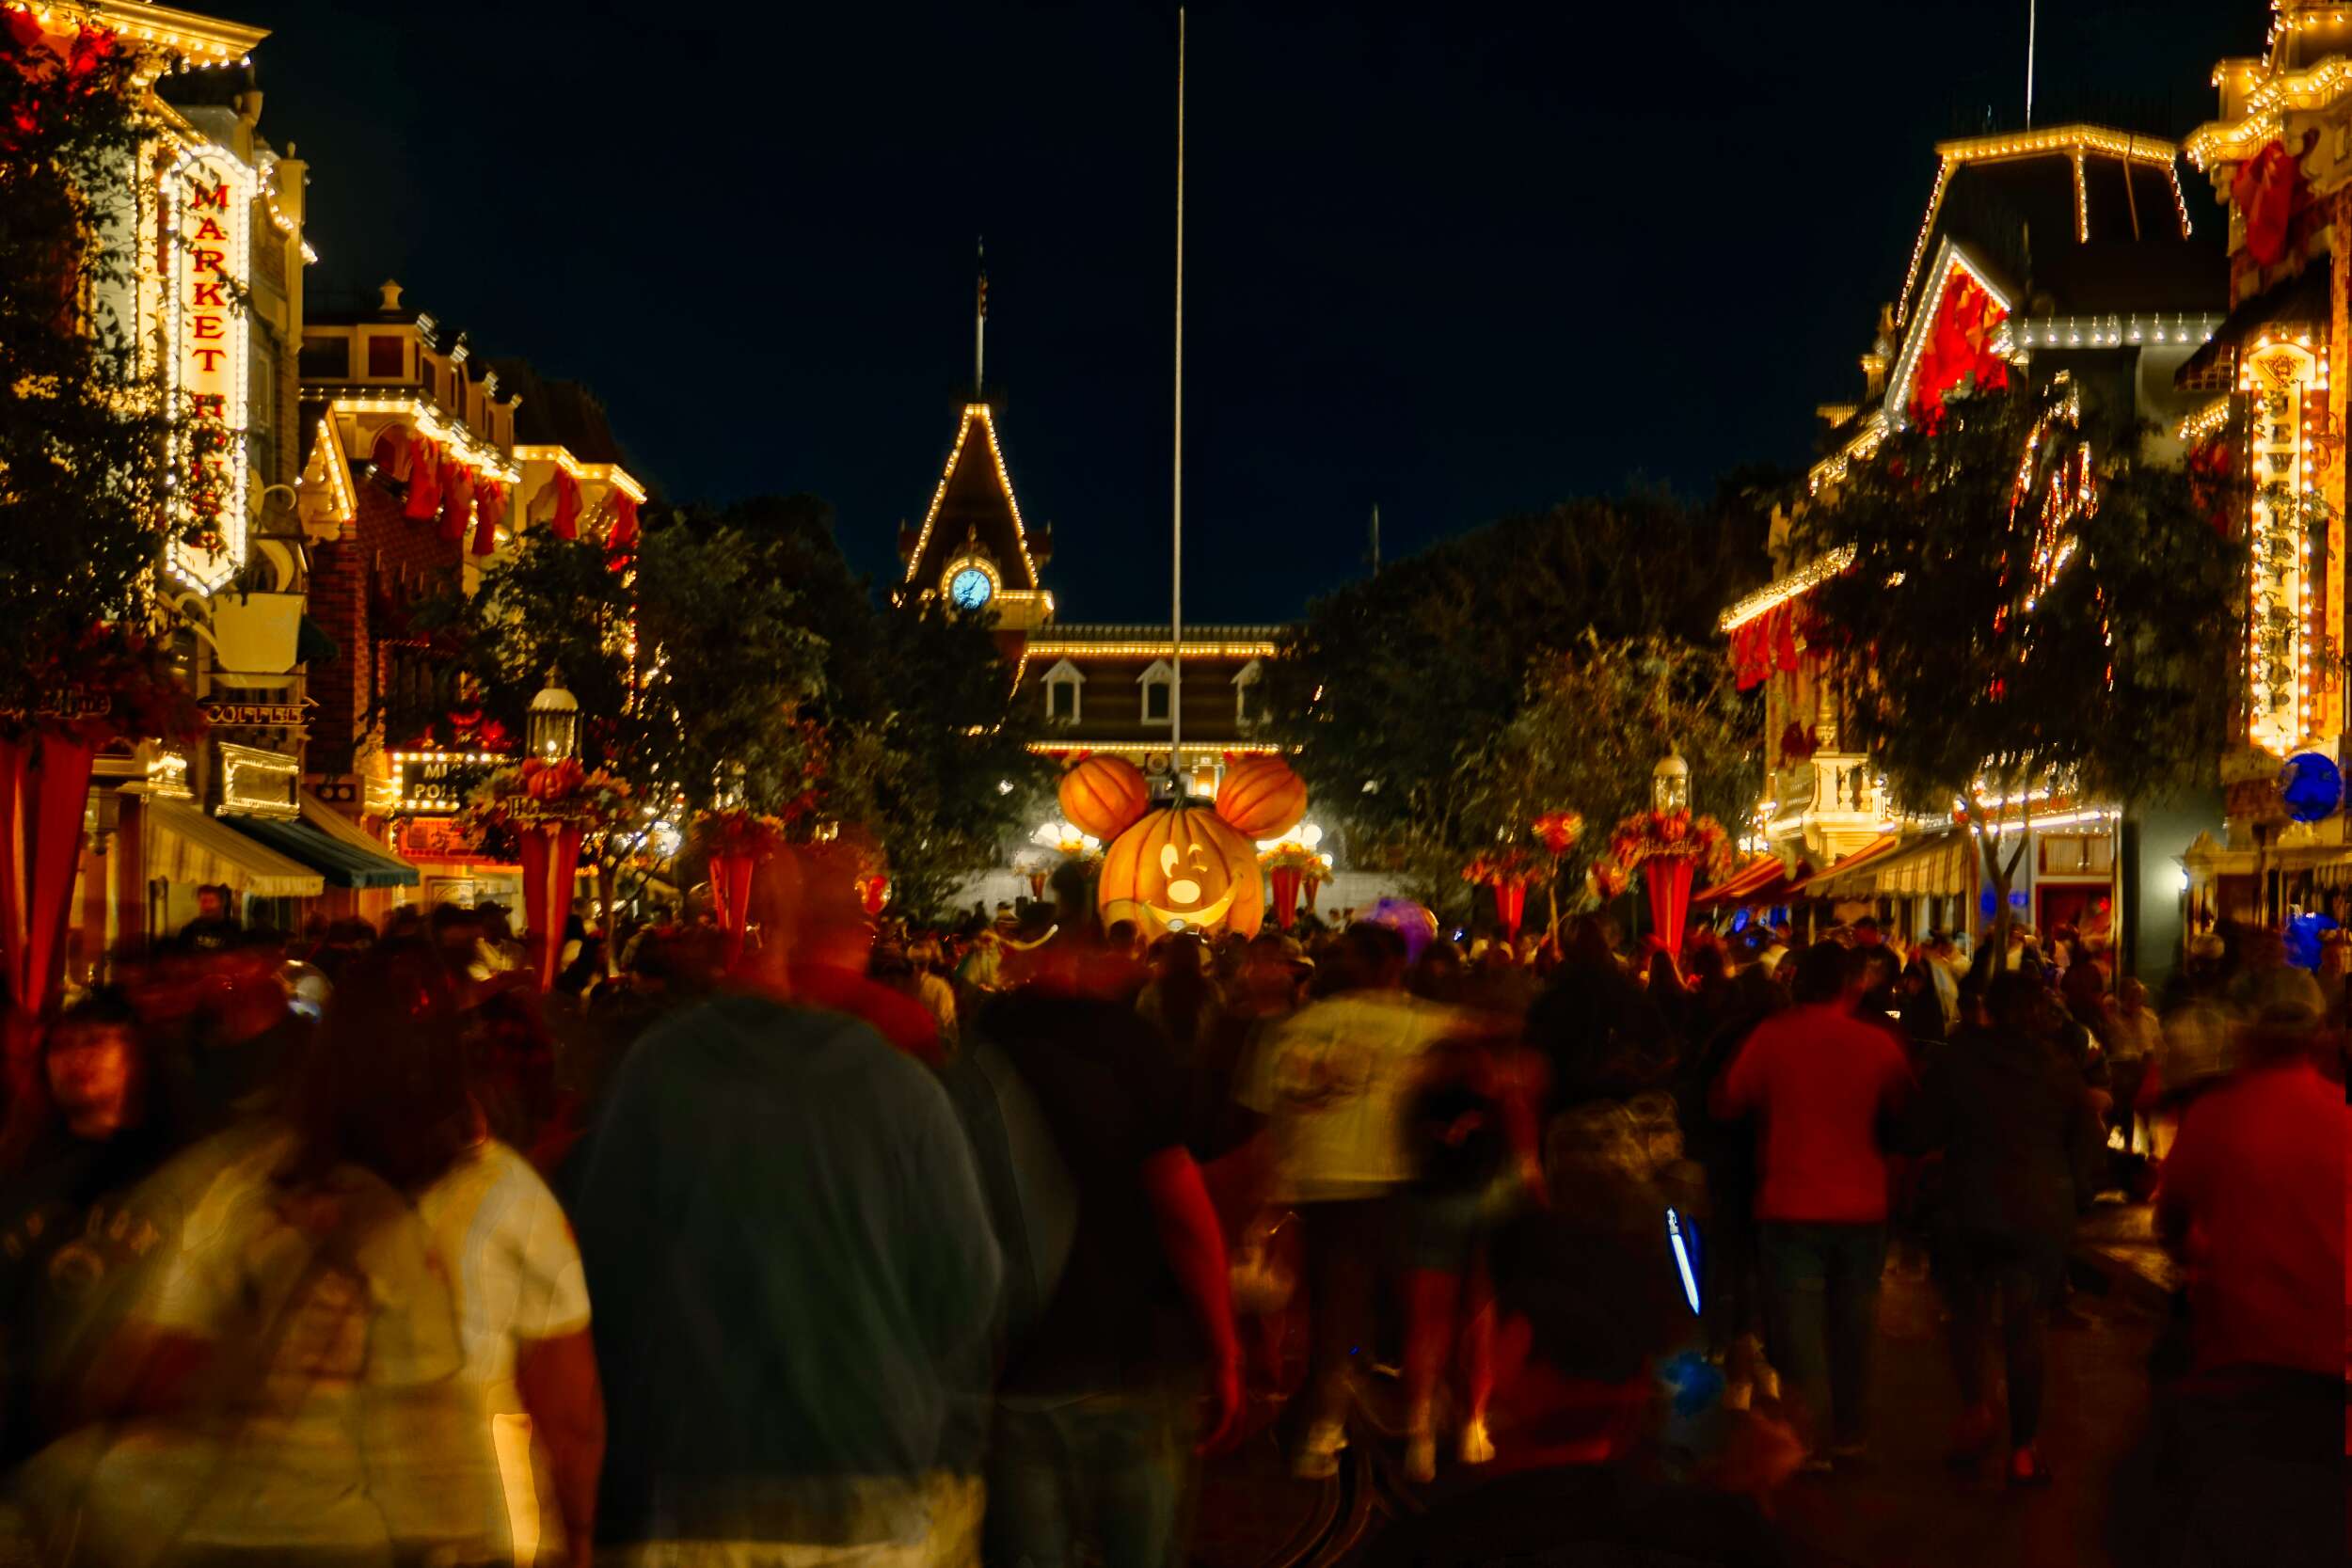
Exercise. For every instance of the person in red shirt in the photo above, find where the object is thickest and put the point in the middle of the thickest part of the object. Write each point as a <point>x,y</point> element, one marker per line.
<point>1821,1084</point>
<point>2253,1198</point>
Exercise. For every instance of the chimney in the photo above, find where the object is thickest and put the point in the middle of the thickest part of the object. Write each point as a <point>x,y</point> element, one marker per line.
<point>390,292</point>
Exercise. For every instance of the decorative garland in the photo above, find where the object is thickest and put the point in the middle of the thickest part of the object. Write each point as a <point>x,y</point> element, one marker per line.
<point>1661,834</point>
<point>551,794</point>
<point>111,681</point>
<point>740,831</point>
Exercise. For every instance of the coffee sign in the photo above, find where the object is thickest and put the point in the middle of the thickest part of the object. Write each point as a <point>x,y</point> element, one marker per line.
<point>207,262</point>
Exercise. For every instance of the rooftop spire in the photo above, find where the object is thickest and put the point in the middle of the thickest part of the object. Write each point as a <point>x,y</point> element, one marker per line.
<point>979,327</point>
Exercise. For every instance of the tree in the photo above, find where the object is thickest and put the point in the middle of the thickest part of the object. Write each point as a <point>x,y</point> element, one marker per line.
<point>93,448</point>
<point>927,750</point>
<point>1597,720</point>
<point>2031,605</point>
<point>1397,690</point>
<point>689,667</point>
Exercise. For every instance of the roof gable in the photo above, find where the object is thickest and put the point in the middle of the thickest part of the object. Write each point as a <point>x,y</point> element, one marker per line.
<point>972,508</point>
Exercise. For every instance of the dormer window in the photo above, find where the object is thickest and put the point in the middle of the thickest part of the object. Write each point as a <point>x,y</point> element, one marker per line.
<point>1249,702</point>
<point>1159,692</point>
<point>1064,694</point>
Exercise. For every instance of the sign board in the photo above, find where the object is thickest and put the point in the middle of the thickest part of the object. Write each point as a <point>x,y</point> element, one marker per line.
<point>436,784</point>
<point>258,715</point>
<point>206,263</point>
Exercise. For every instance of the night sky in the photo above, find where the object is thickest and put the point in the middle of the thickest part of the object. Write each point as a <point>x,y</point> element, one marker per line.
<point>1454,260</point>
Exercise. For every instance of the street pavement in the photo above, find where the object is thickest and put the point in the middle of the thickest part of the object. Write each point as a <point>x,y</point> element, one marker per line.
<point>1900,1508</point>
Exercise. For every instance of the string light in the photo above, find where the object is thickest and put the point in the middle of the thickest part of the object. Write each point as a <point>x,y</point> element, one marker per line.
<point>2286,377</point>
<point>2205,421</point>
<point>328,454</point>
<point>606,473</point>
<point>431,423</point>
<point>972,411</point>
<point>1064,647</point>
<point>2077,140</point>
<point>2263,112</point>
<point>1803,580</point>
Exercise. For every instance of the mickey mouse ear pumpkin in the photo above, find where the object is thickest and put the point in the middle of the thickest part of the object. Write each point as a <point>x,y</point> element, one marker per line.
<point>1104,796</point>
<point>1261,797</point>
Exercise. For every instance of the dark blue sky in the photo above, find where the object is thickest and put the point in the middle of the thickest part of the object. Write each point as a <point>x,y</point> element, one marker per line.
<point>1458,260</point>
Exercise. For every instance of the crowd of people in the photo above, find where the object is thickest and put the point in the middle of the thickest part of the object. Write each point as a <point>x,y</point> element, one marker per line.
<point>876,1245</point>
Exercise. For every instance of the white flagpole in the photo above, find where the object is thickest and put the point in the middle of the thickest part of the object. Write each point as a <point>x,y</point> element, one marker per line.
<point>1176,595</point>
<point>2033,20</point>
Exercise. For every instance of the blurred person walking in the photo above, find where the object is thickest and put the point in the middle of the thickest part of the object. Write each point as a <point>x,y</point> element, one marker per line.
<point>1822,1085</point>
<point>1333,1082</point>
<point>2022,1155</point>
<point>795,1279</point>
<point>1096,1418</point>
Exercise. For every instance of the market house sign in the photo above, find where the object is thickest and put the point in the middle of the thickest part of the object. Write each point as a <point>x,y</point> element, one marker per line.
<point>207,262</point>
<point>436,784</point>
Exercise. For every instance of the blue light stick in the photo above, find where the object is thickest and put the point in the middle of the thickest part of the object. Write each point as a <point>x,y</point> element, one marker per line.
<point>1682,1261</point>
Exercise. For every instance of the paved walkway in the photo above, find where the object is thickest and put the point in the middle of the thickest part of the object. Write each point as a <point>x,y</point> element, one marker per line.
<point>1904,1509</point>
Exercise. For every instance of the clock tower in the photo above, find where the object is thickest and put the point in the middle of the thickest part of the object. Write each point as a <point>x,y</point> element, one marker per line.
<point>973,551</point>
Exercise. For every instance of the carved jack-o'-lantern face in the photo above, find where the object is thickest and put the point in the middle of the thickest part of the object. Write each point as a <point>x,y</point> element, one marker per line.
<point>1183,870</point>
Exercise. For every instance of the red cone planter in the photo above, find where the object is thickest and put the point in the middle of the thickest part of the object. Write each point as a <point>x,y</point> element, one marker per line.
<point>551,855</point>
<point>1286,880</point>
<point>1510,908</point>
<point>1669,880</point>
<point>44,784</point>
<point>731,893</point>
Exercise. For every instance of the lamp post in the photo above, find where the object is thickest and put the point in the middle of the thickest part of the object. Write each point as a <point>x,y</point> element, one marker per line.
<point>552,728</point>
<point>1670,784</point>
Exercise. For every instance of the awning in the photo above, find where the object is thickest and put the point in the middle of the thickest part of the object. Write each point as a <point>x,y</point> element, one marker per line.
<point>347,858</point>
<point>192,847</point>
<point>1839,882</point>
<point>2300,301</point>
<point>1938,866</point>
<point>1762,880</point>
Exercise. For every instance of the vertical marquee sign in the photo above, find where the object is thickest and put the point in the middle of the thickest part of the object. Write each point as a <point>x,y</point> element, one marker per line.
<point>2286,384</point>
<point>207,262</point>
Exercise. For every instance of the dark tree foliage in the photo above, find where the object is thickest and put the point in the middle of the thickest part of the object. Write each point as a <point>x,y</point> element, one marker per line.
<point>88,445</point>
<point>2003,633</point>
<point>1398,691</point>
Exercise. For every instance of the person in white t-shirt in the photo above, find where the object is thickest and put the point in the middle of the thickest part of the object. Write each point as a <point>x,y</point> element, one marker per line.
<point>1333,1082</point>
<point>374,1334</point>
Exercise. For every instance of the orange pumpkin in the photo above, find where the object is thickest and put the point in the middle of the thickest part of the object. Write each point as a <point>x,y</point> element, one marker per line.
<point>1182,869</point>
<point>1260,798</point>
<point>1104,796</point>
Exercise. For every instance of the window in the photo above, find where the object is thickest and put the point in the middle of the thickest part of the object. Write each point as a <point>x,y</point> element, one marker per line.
<point>326,359</point>
<point>387,359</point>
<point>2077,855</point>
<point>1064,699</point>
<point>1159,692</point>
<point>1249,696</point>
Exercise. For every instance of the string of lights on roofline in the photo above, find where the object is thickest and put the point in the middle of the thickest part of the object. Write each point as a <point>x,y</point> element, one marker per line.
<point>2148,151</point>
<point>939,494</point>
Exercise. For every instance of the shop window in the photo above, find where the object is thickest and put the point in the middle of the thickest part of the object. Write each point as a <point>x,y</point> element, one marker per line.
<point>387,358</point>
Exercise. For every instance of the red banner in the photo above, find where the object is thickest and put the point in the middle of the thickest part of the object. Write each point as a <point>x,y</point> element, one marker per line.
<point>550,856</point>
<point>45,786</point>
<point>1669,880</point>
<point>731,898</point>
<point>1285,879</point>
<point>1510,908</point>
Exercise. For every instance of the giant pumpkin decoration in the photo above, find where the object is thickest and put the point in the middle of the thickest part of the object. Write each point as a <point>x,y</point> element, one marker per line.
<point>1181,868</point>
<point>1104,796</point>
<point>1260,798</point>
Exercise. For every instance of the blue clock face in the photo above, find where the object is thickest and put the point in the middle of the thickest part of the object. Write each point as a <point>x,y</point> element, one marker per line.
<point>969,589</point>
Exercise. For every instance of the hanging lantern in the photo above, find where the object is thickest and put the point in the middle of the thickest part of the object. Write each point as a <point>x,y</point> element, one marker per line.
<point>553,726</point>
<point>873,892</point>
<point>1669,785</point>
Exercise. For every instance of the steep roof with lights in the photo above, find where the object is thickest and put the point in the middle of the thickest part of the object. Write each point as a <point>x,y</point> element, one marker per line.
<point>2093,217</point>
<point>973,508</point>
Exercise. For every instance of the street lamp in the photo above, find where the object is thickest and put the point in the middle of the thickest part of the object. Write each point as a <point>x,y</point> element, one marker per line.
<point>553,726</point>
<point>1669,785</point>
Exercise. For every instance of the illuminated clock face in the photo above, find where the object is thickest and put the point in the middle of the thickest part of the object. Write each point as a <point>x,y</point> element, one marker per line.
<point>969,589</point>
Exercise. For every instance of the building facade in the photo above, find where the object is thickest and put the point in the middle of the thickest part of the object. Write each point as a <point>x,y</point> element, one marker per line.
<point>2280,159</point>
<point>2120,305</point>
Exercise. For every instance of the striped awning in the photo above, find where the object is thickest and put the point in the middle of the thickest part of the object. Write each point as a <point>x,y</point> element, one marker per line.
<point>190,848</point>
<point>1762,880</point>
<point>1939,865</point>
<point>1845,880</point>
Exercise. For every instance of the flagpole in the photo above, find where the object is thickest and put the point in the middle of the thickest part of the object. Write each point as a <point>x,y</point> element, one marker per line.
<point>1176,595</point>
<point>979,327</point>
